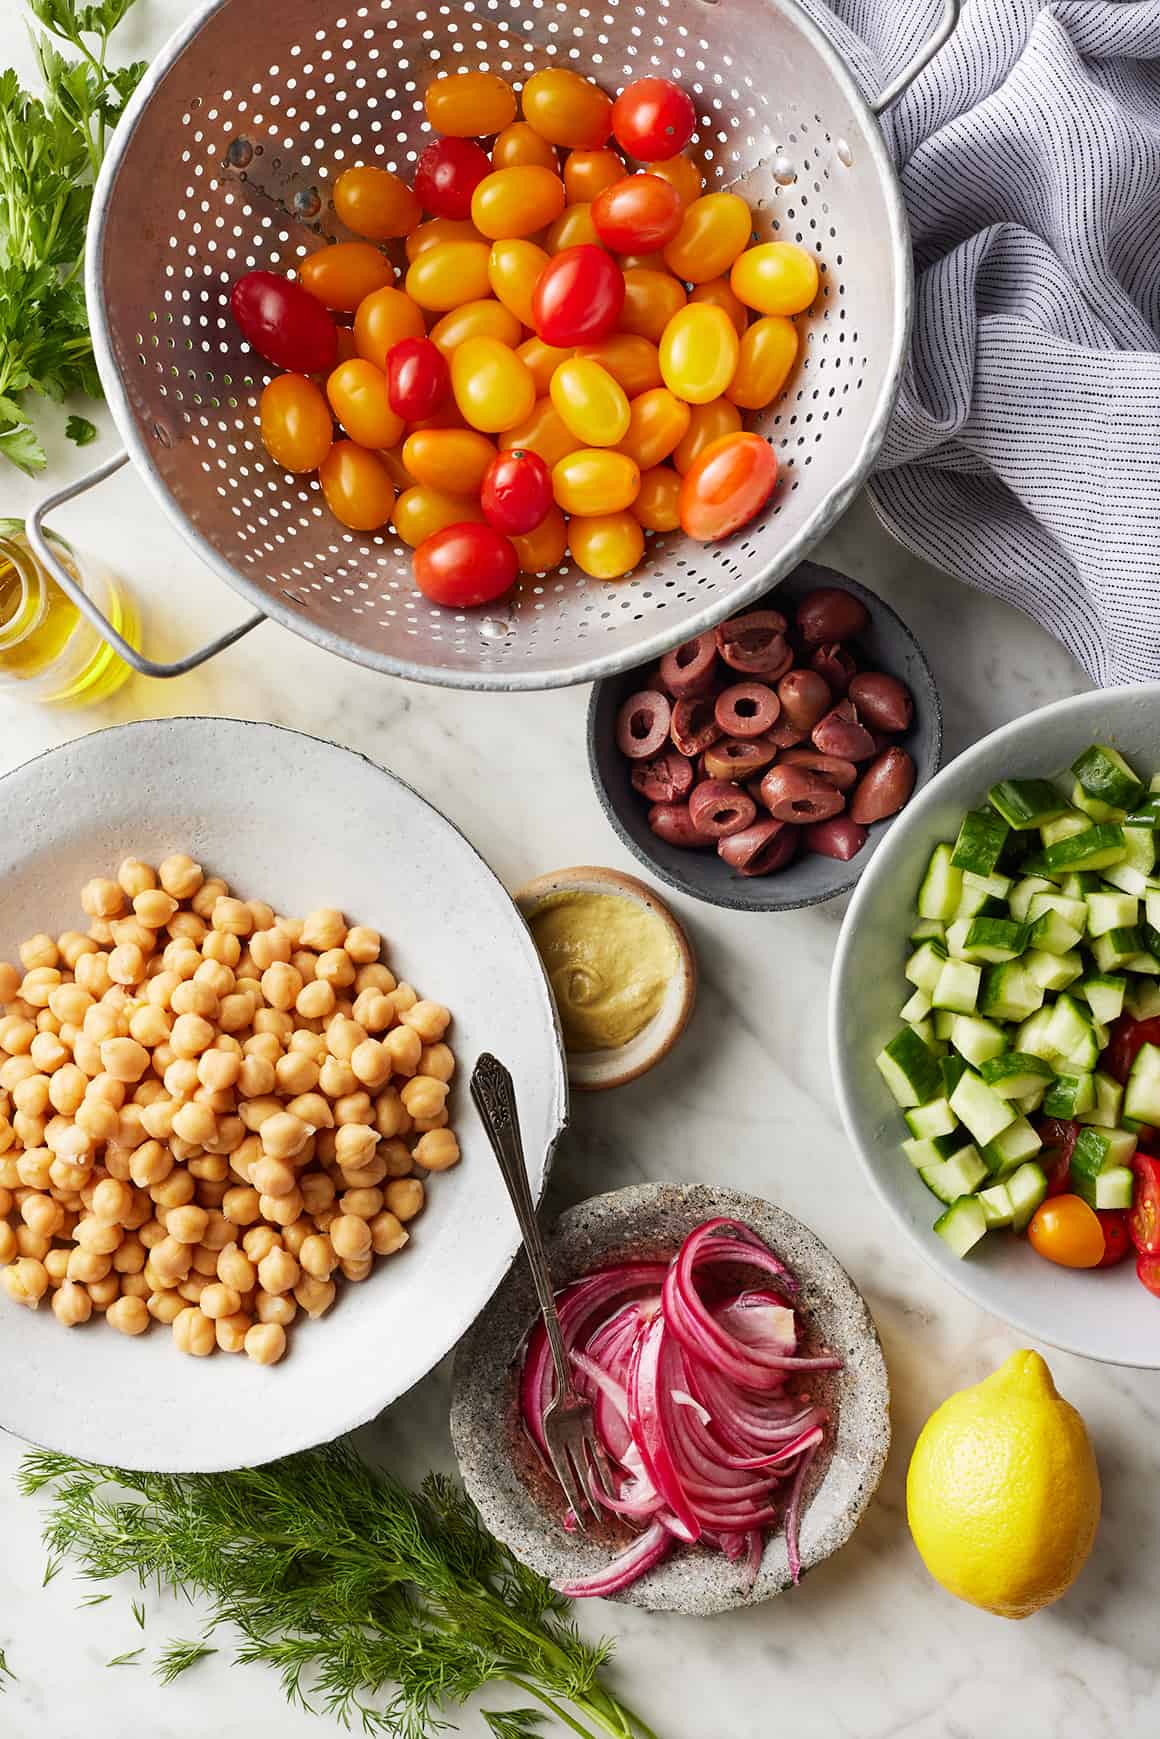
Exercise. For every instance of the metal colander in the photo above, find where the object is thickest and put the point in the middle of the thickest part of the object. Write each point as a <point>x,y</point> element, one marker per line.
<point>225,163</point>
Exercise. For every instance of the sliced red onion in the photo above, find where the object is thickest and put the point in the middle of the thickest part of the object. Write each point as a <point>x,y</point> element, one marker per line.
<point>624,1569</point>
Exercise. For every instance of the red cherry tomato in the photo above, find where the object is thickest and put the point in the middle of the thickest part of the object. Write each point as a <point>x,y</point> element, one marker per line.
<point>464,565</point>
<point>284,323</point>
<point>418,378</point>
<point>516,491</point>
<point>637,214</point>
<point>1116,1241</point>
<point>578,296</point>
<point>448,173</point>
<point>1148,1273</point>
<point>653,119</point>
<point>1059,1138</point>
<point>730,482</point>
<point>1144,1216</point>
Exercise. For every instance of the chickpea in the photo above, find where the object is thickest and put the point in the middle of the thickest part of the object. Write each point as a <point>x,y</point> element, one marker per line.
<point>375,976</point>
<point>30,1132</point>
<point>372,1063</point>
<point>150,1025</point>
<point>150,1164</point>
<point>191,1035</point>
<point>336,1078</point>
<point>436,1151</point>
<point>71,1304</point>
<point>135,877</point>
<point>255,1112</point>
<point>240,1206</point>
<point>223,949</point>
<point>154,908</point>
<point>357,1267</point>
<point>129,1256</point>
<point>112,1201</point>
<point>130,1129</point>
<point>375,1010</point>
<point>305,961</point>
<point>404,1047</point>
<point>164,1306</point>
<point>316,1001</point>
<point>231,1331</point>
<point>235,1269</point>
<point>364,1204</point>
<point>324,1146</point>
<point>187,1224</point>
<point>181,956</point>
<point>171,1260</point>
<point>9,983</point>
<point>127,964</point>
<point>256,1077</point>
<point>33,1166</point>
<point>209,1168</point>
<point>353,1108</point>
<point>405,1197</point>
<point>92,972</point>
<point>132,933</point>
<point>354,1144</point>
<point>39,984</point>
<point>195,997</point>
<point>195,1123</point>
<point>30,1243</point>
<point>388,1234</point>
<point>42,1215</point>
<point>102,898</point>
<point>56,1266</point>
<point>316,1256</point>
<point>343,1037</point>
<point>273,1177</point>
<point>281,984</point>
<point>231,1133</point>
<point>423,1097</point>
<point>265,1342</point>
<point>124,1059</point>
<point>9,1248</point>
<point>207,896</point>
<point>26,1281</point>
<point>232,917</point>
<point>174,1191</point>
<point>218,1300</point>
<point>157,1118</point>
<point>274,1023</point>
<point>30,1096</point>
<point>180,876</point>
<point>313,1109</point>
<point>314,1296</point>
<point>281,1210</point>
<point>268,946</point>
<point>278,1271</point>
<point>16,1035</point>
<point>194,1332</point>
<point>100,1237</point>
<point>39,950</point>
<point>406,996</point>
<point>259,1241</point>
<point>438,1061</point>
<point>350,1237</point>
<point>128,1315</point>
<point>317,1191</point>
<point>105,1292</point>
<point>140,1213</point>
<point>283,1135</point>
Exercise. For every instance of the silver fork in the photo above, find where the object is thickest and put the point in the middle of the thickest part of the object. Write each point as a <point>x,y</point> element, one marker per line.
<point>576,1454</point>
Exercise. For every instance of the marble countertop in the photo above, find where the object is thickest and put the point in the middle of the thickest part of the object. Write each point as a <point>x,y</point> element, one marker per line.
<point>868,1647</point>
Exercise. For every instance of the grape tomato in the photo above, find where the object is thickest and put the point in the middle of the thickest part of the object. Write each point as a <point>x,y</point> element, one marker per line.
<point>357,486</point>
<point>683,174</point>
<point>360,399</point>
<point>606,546</point>
<point>724,488</point>
<point>465,565</point>
<point>1144,1215</point>
<point>545,432</point>
<point>629,359</point>
<point>637,213</point>
<point>418,379</point>
<point>448,274</point>
<point>595,480</point>
<point>567,110</point>
<point>1065,1230</point>
<point>341,276</point>
<point>439,229</point>
<point>447,175</point>
<point>520,144</point>
<point>657,422</point>
<point>714,230</point>
<point>775,278</point>
<point>1117,1243</point>
<point>469,105</point>
<point>657,504</point>
<point>543,360</point>
<point>1148,1273</point>
<point>578,298</point>
<point>573,228</point>
<point>591,403</point>
<point>516,492</point>
<point>453,460</point>
<point>284,324</point>
<point>421,511</point>
<point>653,119</point>
<point>375,203</point>
<point>707,423</point>
<point>384,320</point>
<point>651,298</point>
<point>588,173</point>
<point>297,426</point>
<point>517,202</point>
<point>492,387</point>
<point>514,269</point>
<point>717,292</point>
<point>698,353</point>
<point>544,547</point>
<point>482,319</point>
<point>768,351</point>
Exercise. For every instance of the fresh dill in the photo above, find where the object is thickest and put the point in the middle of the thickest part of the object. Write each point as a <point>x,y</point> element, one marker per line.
<point>128,1659</point>
<point>5,1671</point>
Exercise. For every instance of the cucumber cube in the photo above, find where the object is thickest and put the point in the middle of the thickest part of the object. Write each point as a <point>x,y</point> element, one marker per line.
<point>1011,1147</point>
<point>1026,803</point>
<point>941,887</point>
<point>1112,1189</point>
<point>1027,1188</point>
<point>917,1007</point>
<point>909,1069</point>
<point>1069,1095</point>
<point>1072,1035</point>
<point>1064,826</point>
<point>983,1111</point>
<point>1025,891</point>
<point>957,987</point>
<point>1098,1150</point>
<point>982,837</point>
<point>928,930</point>
<point>925,964</point>
<point>1105,1113</point>
<point>1051,933</point>
<point>1104,774</point>
<point>1146,814</point>
<point>952,1070</point>
<point>922,1154</point>
<point>944,1023</point>
<point>993,940</point>
<point>1133,872</point>
<point>997,1206</point>
<point>1105,996</point>
<point>1074,911</point>
<point>1095,848</point>
<point>977,1040</point>
<point>1142,1091</point>
<point>1032,1036</point>
<point>1152,906</point>
<point>1117,947</point>
<point>1052,971</point>
<point>996,885</point>
<point>957,1176</point>
<point>1016,1073</point>
<point>925,1031</point>
<point>1010,992</point>
<point>962,1226</point>
<point>1029,1103</point>
<point>1093,807</point>
<point>931,1120</point>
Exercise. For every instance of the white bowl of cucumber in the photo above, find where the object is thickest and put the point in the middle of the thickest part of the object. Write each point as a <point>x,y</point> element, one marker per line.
<point>1002,929</point>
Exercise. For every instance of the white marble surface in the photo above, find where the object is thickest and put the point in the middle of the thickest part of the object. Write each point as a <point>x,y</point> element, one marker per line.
<point>869,1646</point>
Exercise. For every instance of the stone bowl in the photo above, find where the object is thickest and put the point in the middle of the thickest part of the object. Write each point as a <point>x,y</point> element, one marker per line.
<point>519,1501</point>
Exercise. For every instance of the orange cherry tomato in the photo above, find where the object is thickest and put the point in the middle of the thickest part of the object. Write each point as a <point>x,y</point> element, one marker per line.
<point>545,432</point>
<point>714,230</point>
<point>544,547</point>
<point>719,295</point>
<point>637,213</point>
<point>450,460</point>
<point>595,480</point>
<point>650,301</point>
<point>422,511</point>
<point>357,486</point>
<point>698,353</point>
<point>775,278</point>
<point>656,422</point>
<point>513,268</point>
<point>297,427</point>
<point>707,423</point>
<point>492,387</point>
<point>517,202</point>
<point>572,229</point>
<point>543,360</point>
<point>343,275</point>
<point>439,229</point>
<point>730,483</point>
<point>1065,1230</point>
<point>587,173</point>
<point>683,174</point>
<point>483,319</point>
<point>653,262</point>
<point>376,204</point>
<point>383,320</point>
<point>768,352</point>
<point>657,502</point>
<point>359,398</point>
<point>567,109</point>
<point>469,105</point>
<point>592,404</point>
<point>606,546</point>
<point>520,144</point>
<point>629,359</point>
<point>448,274</point>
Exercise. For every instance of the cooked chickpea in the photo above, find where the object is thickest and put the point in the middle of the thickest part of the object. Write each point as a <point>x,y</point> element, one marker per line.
<point>265,1342</point>
<point>181,955</point>
<point>71,1304</point>
<point>278,1272</point>
<point>101,1237</point>
<point>364,1204</point>
<point>334,967</point>
<point>281,984</point>
<point>150,1164</point>
<point>39,984</point>
<point>194,1332</point>
<point>436,1151</point>
<point>130,1129</point>
<point>316,1001</point>
<point>234,1268</point>
<point>101,898</point>
<point>283,1135</point>
<point>208,894</point>
<point>164,1305</point>
<point>26,1281</point>
<point>92,973</point>
<point>38,951</point>
<point>324,928</point>
<point>314,1296</point>
<point>180,876</point>
<point>350,1237</point>
<point>281,1210</point>
<point>336,1079</point>
<point>16,1035</point>
<point>388,1234</point>
<point>174,1191</point>
<point>406,996</point>
<point>423,1097</point>
<point>42,1215</point>
<point>135,877</point>
<point>313,1109</point>
<point>192,1034</point>
<point>197,998</point>
<point>391,1117</point>
<point>366,1176</point>
<point>132,933</point>
<point>195,1123</point>
<point>405,1197</point>
<point>30,1132</point>
<point>111,1202</point>
<point>128,1315</point>
<point>438,1061</point>
<point>354,1144</point>
<point>187,1224</point>
<point>124,1059</point>
<point>172,1259</point>
<point>129,1256</point>
<point>404,1047</point>
<point>343,1038</point>
<point>30,1096</point>
<point>218,1300</point>
<point>9,983</point>
<point>357,1267</point>
<point>273,1177</point>
<point>30,1243</point>
<point>373,1064</point>
<point>269,946</point>
<point>354,1108</point>
<point>241,1206</point>
<point>127,964</point>
<point>317,1191</point>
<point>232,917</point>
<point>222,949</point>
<point>259,1241</point>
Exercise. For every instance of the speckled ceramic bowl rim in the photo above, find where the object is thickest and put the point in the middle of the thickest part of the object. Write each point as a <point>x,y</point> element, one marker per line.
<point>696,1582</point>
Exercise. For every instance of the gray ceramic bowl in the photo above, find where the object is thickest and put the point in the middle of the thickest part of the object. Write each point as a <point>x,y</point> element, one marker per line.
<point>523,1508</point>
<point>887,645</point>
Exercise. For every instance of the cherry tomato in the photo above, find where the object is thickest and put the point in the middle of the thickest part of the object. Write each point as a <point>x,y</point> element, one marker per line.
<point>587,173</point>
<point>578,298</point>
<point>629,359</point>
<point>360,400</point>
<point>768,352</point>
<point>418,379</point>
<point>392,458</point>
<point>1059,1137</point>
<point>469,104</point>
<point>657,503</point>
<point>727,485</point>
<point>357,486</point>
<point>683,174</point>
<point>606,546</point>
<point>567,109</point>
<point>421,511</point>
<point>544,547</point>
<point>1148,1273</point>
<point>519,144</point>
<point>573,228</point>
<point>707,424</point>
<point>775,278</point>
<point>592,404</point>
<point>376,204</point>
<point>717,292</point>
<point>637,213</point>
<point>1114,1224</point>
<point>1065,1230</point>
<point>595,480</point>
<point>483,319</point>
<point>651,298</point>
<point>513,269</point>
<point>657,421</point>
<point>516,202</point>
<point>449,274</point>
<point>543,360</point>
<point>453,460</point>
<point>714,230</point>
<point>654,262</point>
<point>297,427</point>
<point>446,417</point>
<point>544,432</point>
<point>698,353</point>
<point>436,230</point>
<point>342,276</point>
<point>447,174</point>
<point>516,491</point>
<point>281,322</point>
<point>653,118</point>
<point>465,565</point>
<point>1144,1218</point>
<point>384,320</point>
<point>492,387</point>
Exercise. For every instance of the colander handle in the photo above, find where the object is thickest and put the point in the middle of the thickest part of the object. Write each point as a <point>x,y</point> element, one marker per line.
<point>903,80</point>
<point>52,562</point>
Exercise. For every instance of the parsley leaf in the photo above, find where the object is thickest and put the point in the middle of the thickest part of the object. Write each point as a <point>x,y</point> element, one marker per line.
<point>80,430</point>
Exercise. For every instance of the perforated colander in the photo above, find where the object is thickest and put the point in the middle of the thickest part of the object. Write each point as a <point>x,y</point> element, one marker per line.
<point>225,163</point>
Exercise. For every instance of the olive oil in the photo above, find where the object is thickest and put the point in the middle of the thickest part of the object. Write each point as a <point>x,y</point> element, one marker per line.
<point>49,652</point>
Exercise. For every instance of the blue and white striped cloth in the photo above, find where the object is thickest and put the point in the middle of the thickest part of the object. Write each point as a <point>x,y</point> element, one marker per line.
<point>1024,455</point>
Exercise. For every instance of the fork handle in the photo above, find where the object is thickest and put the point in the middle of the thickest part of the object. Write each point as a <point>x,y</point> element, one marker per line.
<point>493,1092</point>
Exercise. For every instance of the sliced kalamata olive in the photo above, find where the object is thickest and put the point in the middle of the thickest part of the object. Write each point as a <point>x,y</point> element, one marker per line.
<point>755,643</point>
<point>830,614</point>
<point>693,727</point>
<point>747,709</point>
<point>795,794</point>
<point>642,724</point>
<point>673,823</point>
<point>884,703</point>
<point>737,757</point>
<point>783,735</point>
<point>665,779</point>
<point>691,669</point>
<point>839,837</point>
<point>718,808</point>
<point>804,697</point>
<point>843,774</point>
<point>884,787</point>
<point>835,665</point>
<point>761,849</point>
<point>840,734</point>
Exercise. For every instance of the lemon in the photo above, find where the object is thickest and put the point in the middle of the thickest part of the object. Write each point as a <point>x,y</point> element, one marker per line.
<point>1003,1492</point>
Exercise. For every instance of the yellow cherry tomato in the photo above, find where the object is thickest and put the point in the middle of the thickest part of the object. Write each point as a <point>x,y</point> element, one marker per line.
<point>374,203</point>
<point>595,480</point>
<point>1067,1231</point>
<point>483,319</point>
<point>357,391</point>
<point>513,267</point>
<point>544,547</point>
<point>572,229</point>
<point>650,301</point>
<point>587,173</point>
<point>656,422</point>
<point>713,232</point>
<point>775,278</point>
<point>439,229</point>
<point>629,359</point>
<point>357,486</point>
<point>657,502</point>
<point>698,352</point>
<point>543,360</point>
<point>606,546</point>
<point>707,423</point>
<point>566,109</point>
<point>421,511</point>
<point>449,273</point>
<point>469,104</point>
<point>342,275</point>
<point>297,427</point>
<point>768,351</point>
<point>450,460</point>
<point>718,294</point>
<point>593,405</point>
<point>516,202</point>
<point>492,387</point>
<point>383,320</point>
<point>545,432</point>
<point>683,174</point>
<point>520,144</point>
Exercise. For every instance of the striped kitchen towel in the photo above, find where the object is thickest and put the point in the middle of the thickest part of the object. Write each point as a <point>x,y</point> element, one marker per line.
<point>1024,455</point>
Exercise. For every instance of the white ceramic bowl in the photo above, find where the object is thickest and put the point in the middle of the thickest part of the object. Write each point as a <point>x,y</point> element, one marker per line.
<point>1103,1315</point>
<point>300,823</point>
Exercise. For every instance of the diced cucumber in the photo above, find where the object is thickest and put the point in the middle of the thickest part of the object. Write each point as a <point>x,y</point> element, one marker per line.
<point>1016,1073</point>
<point>941,887</point>
<point>1010,992</point>
<point>1029,1103</point>
<point>1093,807</point>
<point>975,903</point>
<point>925,1031</point>
<point>925,964</point>
<point>1079,884</point>
<point>1069,1095</point>
<point>1094,848</point>
<point>1105,996</point>
<point>1026,803</point>
<point>957,987</point>
<point>1027,1188</point>
<point>1142,999</point>
<point>1105,1113</point>
<point>977,1040</point>
<point>983,1112</point>
<point>952,1070</point>
<point>957,1176</point>
<point>996,885</point>
<point>1011,1147</point>
<point>993,940</point>
<point>933,1151</point>
<point>1142,1090</point>
<point>1052,971</point>
<point>1104,774</point>
<point>1148,963</point>
<point>1064,826</point>
<point>931,1120</point>
<point>1052,934</point>
<point>916,1007</point>
<point>1072,1035</point>
<point>1024,892</point>
<point>1152,906</point>
<point>982,837</point>
<point>1032,1036</point>
<point>963,1225</point>
<point>1133,872</point>
<point>1117,947</point>
<point>997,1207</point>
<point>1111,1189</point>
<point>928,930</point>
<point>1098,1150</point>
<point>1074,911</point>
<point>944,1023</point>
